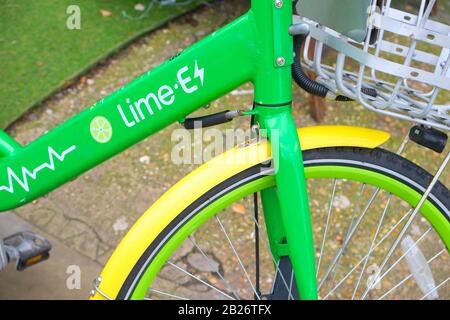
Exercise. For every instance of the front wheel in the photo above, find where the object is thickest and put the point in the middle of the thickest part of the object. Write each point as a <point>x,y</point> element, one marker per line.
<point>361,201</point>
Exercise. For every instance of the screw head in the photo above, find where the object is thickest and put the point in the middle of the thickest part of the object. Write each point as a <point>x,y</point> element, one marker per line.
<point>97,281</point>
<point>281,61</point>
<point>278,4</point>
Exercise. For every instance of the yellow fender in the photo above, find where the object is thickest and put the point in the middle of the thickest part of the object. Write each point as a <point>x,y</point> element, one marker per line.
<point>201,180</point>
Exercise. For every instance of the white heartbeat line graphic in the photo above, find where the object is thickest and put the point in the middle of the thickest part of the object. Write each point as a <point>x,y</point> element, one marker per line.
<point>23,182</point>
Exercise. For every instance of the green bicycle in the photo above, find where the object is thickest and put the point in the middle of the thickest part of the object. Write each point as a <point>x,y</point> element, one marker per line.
<point>335,215</point>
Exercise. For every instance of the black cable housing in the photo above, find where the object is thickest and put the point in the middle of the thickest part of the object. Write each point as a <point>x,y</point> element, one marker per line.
<point>311,86</point>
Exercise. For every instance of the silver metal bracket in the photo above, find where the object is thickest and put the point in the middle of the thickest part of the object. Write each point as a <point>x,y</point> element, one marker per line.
<point>300,28</point>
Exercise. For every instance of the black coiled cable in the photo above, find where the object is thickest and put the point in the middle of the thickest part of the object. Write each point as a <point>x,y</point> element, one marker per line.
<point>311,86</point>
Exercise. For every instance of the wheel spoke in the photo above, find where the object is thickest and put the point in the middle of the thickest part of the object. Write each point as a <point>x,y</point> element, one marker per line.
<point>380,223</point>
<point>162,293</point>
<point>347,235</point>
<point>374,248</point>
<point>276,272</point>
<point>347,240</point>
<point>291,284</point>
<point>324,237</point>
<point>398,260</point>
<point>413,215</point>
<point>208,260</point>
<point>200,280</point>
<point>238,257</point>
<point>435,288</point>
<point>410,275</point>
<point>335,264</point>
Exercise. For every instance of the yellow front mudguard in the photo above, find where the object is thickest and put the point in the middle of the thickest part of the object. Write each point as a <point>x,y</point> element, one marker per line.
<point>212,173</point>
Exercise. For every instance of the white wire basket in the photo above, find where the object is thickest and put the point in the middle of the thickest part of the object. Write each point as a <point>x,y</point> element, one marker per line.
<point>405,57</point>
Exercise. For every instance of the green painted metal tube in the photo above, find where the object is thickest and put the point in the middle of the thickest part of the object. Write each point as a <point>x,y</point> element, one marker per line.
<point>273,77</point>
<point>7,144</point>
<point>292,195</point>
<point>273,221</point>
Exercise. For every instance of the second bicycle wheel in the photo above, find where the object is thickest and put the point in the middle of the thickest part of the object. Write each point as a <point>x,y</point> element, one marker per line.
<point>360,200</point>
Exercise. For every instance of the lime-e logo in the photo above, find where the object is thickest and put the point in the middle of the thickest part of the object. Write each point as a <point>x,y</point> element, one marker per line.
<point>101,129</point>
<point>188,81</point>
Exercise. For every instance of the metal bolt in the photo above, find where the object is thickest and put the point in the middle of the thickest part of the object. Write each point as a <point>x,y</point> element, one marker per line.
<point>280,61</point>
<point>256,131</point>
<point>279,3</point>
<point>97,281</point>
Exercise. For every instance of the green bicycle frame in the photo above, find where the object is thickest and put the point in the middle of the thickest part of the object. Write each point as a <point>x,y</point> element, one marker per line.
<point>254,48</point>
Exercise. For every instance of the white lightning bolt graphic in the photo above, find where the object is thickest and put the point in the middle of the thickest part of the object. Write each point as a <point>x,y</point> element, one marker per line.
<point>199,73</point>
<point>23,182</point>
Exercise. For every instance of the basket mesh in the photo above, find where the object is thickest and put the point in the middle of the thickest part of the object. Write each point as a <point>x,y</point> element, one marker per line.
<point>405,58</point>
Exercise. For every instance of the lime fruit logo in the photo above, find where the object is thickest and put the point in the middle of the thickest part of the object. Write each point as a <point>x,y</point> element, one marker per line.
<point>101,129</point>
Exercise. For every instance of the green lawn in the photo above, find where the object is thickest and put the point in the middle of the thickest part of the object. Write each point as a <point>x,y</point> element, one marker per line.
<point>39,54</point>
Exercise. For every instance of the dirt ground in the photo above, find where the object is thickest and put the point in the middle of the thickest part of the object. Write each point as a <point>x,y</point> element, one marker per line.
<point>92,213</point>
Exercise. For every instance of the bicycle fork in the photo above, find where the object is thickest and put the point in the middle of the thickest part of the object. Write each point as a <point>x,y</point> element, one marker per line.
<point>286,206</point>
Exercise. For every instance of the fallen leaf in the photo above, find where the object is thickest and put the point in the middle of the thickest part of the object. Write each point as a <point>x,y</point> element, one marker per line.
<point>105,13</point>
<point>238,208</point>
<point>339,239</point>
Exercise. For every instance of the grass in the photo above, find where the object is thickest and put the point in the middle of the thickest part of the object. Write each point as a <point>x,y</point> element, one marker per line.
<point>39,54</point>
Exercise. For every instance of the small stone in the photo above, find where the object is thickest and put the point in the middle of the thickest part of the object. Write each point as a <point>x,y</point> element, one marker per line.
<point>199,262</point>
<point>90,82</point>
<point>121,224</point>
<point>341,202</point>
<point>139,7</point>
<point>184,249</point>
<point>144,159</point>
<point>169,273</point>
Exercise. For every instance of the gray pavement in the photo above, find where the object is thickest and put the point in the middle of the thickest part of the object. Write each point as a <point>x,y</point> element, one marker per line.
<point>50,279</point>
